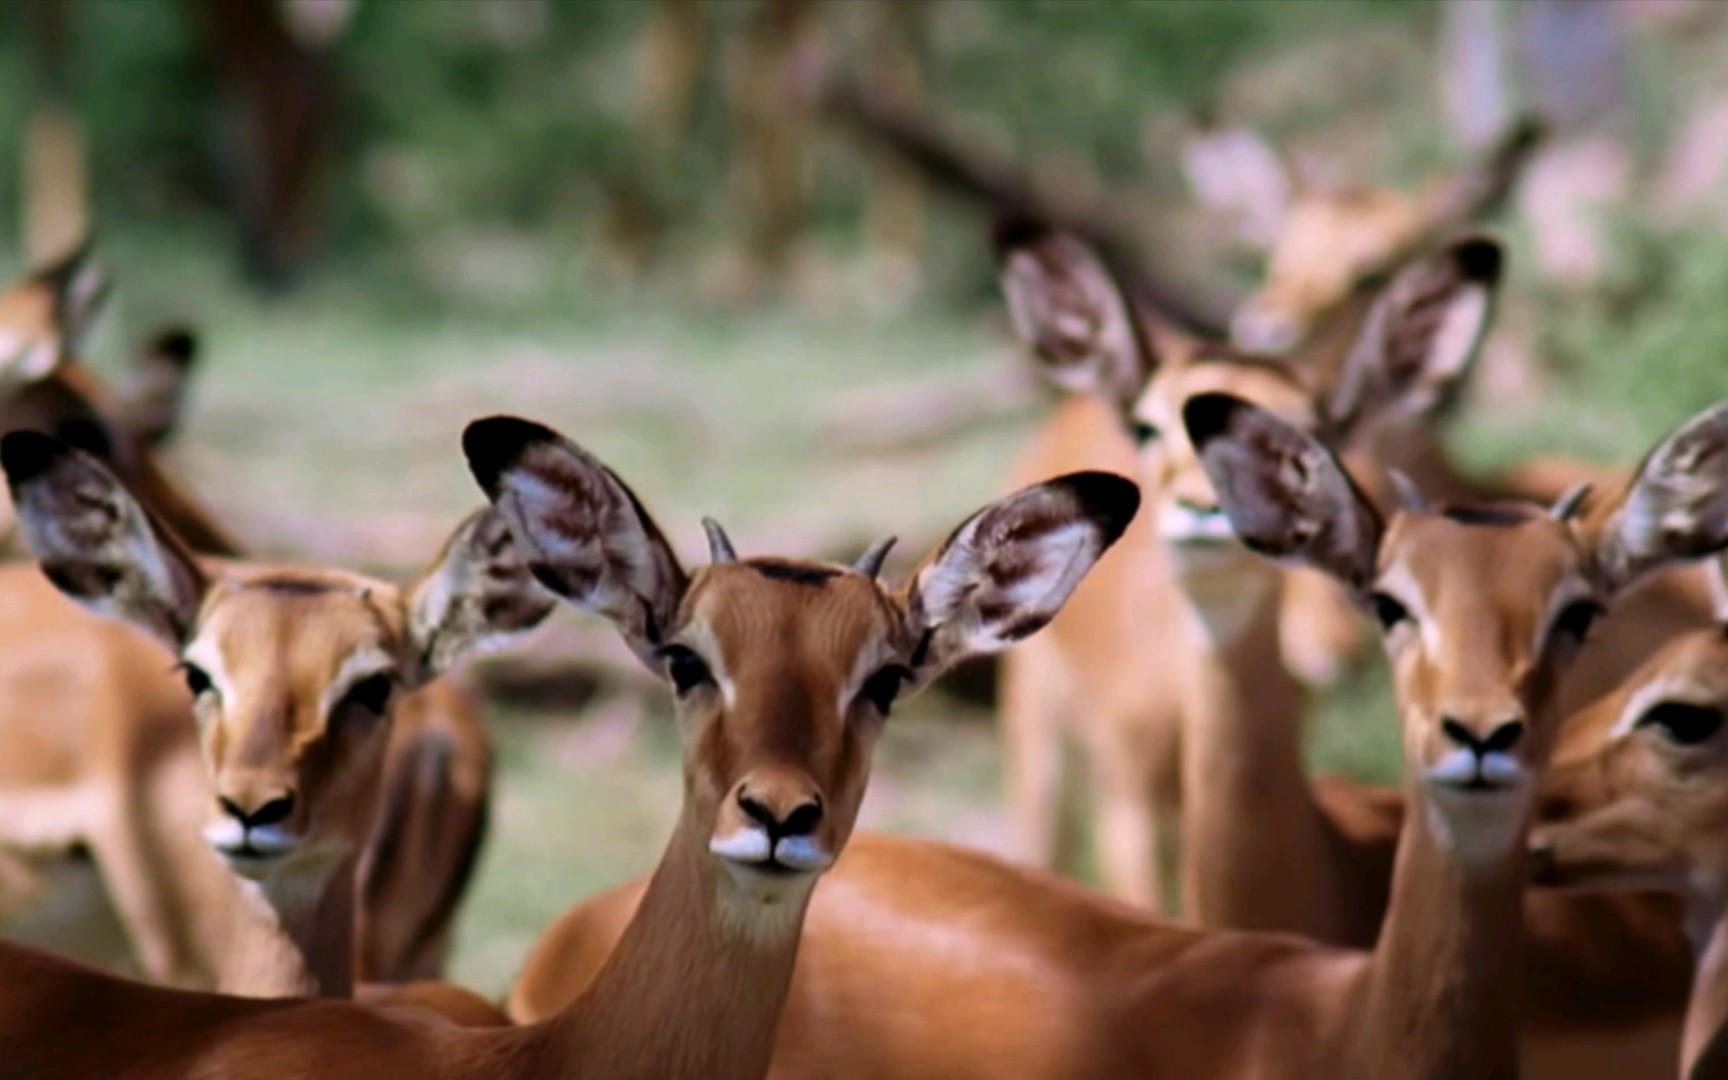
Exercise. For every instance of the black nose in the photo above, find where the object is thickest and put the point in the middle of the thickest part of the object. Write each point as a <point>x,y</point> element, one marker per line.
<point>801,820</point>
<point>272,812</point>
<point>1501,740</point>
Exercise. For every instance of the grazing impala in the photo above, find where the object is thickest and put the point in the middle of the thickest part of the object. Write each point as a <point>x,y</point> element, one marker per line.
<point>294,675</point>
<point>438,775</point>
<point>784,672</point>
<point>922,960</point>
<point>1638,799</point>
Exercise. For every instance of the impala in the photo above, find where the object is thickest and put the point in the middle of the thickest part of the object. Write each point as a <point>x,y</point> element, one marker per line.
<point>1638,799</point>
<point>133,749</point>
<point>294,676</point>
<point>784,672</point>
<point>922,960</point>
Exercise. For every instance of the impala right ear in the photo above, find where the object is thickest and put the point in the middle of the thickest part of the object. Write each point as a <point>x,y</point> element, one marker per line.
<point>1419,339</point>
<point>95,543</point>
<point>1286,495</point>
<point>80,285</point>
<point>155,395</point>
<point>582,531</point>
<point>1009,568</point>
<point>1067,306</point>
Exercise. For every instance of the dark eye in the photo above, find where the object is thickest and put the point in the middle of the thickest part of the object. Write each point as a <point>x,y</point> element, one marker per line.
<point>371,693</point>
<point>1682,723</point>
<point>1575,621</point>
<point>685,669</point>
<point>1143,432</point>
<point>882,688</point>
<point>197,679</point>
<point>1387,611</point>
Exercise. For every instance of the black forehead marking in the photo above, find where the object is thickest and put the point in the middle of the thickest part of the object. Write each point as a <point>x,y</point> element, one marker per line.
<point>1491,514</point>
<point>288,585</point>
<point>795,572</point>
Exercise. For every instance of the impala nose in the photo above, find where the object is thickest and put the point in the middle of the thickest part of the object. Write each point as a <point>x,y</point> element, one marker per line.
<point>796,817</point>
<point>270,812</point>
<point>1505,735</point>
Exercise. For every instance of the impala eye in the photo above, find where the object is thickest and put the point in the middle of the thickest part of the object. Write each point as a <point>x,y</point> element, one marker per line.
<point>371,693</point>
<point>1577,618</point>
<point>1144,432</point>
<point>1682,723</point>
<point>197,679</point>
<point>1387,611</point>
<point>882,688</point>
<point>685,669</point>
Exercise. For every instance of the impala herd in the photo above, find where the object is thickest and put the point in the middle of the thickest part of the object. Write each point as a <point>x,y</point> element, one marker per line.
<point>282,796</point>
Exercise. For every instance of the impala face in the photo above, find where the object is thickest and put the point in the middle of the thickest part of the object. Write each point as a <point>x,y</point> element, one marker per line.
<point>1480,611</point>
<point>783,670</point>
<point>294,677</point>
<point>1638,795</point>
<point>784,673</point>
<point>45,315</point>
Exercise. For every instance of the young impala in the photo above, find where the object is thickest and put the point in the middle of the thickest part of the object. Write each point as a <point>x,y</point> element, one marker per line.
<point>116,785</point>
<point>784,672</point>
<point>922,960</point>
<point>1638,799</point>
<point>295,675</point>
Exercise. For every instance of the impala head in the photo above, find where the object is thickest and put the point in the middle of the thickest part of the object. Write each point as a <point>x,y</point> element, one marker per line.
<point>45,318</point>
<point>293,673</point>
<point>1481,608</point>
<point>1414,347</point>
<point>1325,245</point>
<point>1638,794</point>
<point>784,671</point>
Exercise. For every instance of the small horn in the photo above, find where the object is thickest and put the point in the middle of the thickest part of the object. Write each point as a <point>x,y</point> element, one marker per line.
<point>720,548</point>
<point>1569,502</point>
<point>870,563</point>
<point>1409,495</point>
<point>1718,574</point>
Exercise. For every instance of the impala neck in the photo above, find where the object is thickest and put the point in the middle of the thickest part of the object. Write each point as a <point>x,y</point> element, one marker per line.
<point>1252,838</point>
<point>293,934</point>
<point>695,986</point>
<point>1444,981</point>
<point>1705,1035</point>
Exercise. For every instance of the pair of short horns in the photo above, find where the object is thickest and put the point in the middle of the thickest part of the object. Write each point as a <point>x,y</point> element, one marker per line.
<point>1412,499</point>
<point>720,550</point>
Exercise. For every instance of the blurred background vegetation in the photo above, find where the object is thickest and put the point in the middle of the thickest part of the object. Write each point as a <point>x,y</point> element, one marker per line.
<point>499,225</point>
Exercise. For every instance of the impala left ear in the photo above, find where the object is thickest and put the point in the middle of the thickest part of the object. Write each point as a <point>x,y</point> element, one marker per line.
<point>477,595</point>
<point>1009,568</point>
<point>80,285</point>
<point>1675,509</point>
<point>95,543</point>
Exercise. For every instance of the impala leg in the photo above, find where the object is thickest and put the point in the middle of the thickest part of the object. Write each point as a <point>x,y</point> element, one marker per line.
<point>1135,795</point>
<point>129,867</point>
<point>1033,718</point>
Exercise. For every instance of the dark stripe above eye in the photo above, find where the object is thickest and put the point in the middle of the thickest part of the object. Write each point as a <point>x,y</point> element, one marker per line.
<point>797,573</point>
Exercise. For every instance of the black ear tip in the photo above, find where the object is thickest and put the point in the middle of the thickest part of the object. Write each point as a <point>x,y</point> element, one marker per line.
<point>1480,258</point>
<point>1011,232</point>
<point>1207,416</point>
<point>25,455</point>
<point>1108,499</point>
<point>495,443</point>
<point>177,344</point>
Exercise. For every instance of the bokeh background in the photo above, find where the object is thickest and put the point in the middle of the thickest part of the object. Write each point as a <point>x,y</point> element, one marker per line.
<point>642,222</point>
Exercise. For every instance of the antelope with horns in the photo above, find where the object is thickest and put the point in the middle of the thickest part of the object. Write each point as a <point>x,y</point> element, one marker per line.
<point>924,960</point>
<point>783,673</point>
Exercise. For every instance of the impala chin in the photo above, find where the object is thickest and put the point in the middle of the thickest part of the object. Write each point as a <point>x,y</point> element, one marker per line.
<point>251,853</point>
<point>1473,803</point>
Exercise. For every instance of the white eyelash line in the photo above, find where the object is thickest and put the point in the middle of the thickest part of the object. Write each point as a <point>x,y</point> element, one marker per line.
<point>360,665</point>
<point>1638,703</point>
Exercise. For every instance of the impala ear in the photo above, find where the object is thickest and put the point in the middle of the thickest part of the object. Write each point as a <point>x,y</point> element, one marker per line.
<point>1009,568</point>
<point>581,531</point>
<point>95,543</point>
<point>477,595</point>
<point>1419,339</point>
<point>155,395</point>
<point>1674,509</point>
<point>1073,313</point>
<point>1286,495</point>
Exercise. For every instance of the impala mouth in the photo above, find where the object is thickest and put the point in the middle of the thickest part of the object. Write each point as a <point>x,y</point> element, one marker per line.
<point>752,851</point>
<point>250,852</point>
<point>1463,772</point>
